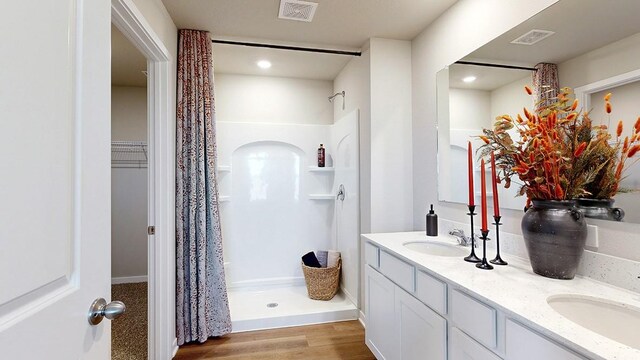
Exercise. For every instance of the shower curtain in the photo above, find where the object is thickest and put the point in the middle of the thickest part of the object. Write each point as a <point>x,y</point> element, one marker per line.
<point>545,84</point>
<point>201,295</point>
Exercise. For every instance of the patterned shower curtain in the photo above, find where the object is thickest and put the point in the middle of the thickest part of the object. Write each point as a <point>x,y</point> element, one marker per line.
<point>545,84</point>
<point>201,294</point>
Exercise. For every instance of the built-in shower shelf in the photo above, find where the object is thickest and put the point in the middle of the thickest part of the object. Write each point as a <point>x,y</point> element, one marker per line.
<point>224,168</point>
<point>320,169</point>
<point>321,196</point>
<point>224,198</point>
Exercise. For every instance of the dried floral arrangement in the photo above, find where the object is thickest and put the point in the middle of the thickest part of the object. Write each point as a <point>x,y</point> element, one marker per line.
<point>560,155</point>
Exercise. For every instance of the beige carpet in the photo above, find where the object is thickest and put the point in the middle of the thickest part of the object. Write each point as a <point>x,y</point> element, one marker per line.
<point>129,332</point>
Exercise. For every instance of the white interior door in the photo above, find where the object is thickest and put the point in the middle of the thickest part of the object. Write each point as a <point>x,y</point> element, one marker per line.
<point>54,182</point>
<point>345,144</point>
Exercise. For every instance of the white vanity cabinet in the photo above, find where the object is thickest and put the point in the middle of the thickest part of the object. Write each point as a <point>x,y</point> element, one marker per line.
<point>398,325</point>
<point>411,315</point>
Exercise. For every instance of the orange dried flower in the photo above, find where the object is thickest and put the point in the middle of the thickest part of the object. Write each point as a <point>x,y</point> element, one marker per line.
<point>636,126</point>
<point>580,149</point>
<point>607,107</point>
<point>528,114</point>
<point>528,90</point>
<point>572,116</point>
<point>574,105</point>
<point>619,129</point>
<point>485,139</point>
<point>634,149</point>
<point>559,192</point>
<point>625,146</point>
<point>607,97</point>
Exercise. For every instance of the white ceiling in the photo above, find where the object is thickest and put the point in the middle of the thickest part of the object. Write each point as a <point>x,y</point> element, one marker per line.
<point>127,63</point>
<point>579,25</point>
<point>337,24</point>
<point>487,78</point>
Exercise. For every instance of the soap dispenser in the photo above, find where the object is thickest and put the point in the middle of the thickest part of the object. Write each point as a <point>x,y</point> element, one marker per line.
<point>432,223</point>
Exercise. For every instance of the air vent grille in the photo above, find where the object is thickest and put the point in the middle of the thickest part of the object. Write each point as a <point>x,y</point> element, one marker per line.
<point>532,37</point>
<point>297,10</point>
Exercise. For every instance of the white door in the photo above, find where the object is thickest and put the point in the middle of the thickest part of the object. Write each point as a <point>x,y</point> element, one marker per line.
<point>422,332</point>
<point>380,336</point>
<point>345,144</point>
<point>54,178</point>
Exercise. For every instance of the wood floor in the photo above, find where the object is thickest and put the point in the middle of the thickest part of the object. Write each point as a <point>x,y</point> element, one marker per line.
<point>339,341</point>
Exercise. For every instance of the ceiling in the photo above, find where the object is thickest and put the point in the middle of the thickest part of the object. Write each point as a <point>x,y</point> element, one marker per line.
<point>337,24</point>
<point>487,78</point>
<point>579,25</point>
<point>127,63</point>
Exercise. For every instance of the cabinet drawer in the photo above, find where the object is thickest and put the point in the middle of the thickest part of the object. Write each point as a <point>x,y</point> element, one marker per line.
<point>474,318</point>
<point>371,255</point>
<point>398,271</point>
<point>524,344</point>
<point>462,347</point>
<point>431,291</point>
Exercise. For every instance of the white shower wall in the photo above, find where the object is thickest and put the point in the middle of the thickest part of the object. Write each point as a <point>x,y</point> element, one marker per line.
<point>268,217</point>
<point>277,205</point>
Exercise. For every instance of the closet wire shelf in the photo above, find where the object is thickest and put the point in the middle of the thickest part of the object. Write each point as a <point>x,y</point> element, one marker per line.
<point>129,154</point>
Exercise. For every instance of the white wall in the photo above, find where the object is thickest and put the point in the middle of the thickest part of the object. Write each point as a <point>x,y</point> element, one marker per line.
<point>391,152</point>
<point>128,186</point>
<point>128,113</point>
<point>469,109</point>
<point>355,80</point>
<point>266,99</point>
<point>464,27</point>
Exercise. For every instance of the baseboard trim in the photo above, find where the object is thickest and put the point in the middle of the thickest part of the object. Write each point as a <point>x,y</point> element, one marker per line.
<point>175,347</point>
<point>129,279</point>
<point>363,319</point>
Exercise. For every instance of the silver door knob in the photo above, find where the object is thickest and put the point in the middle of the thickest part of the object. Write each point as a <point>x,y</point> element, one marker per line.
<point>100,309</point>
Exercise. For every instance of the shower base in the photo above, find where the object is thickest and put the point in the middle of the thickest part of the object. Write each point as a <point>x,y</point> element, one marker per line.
<point>284,307</point>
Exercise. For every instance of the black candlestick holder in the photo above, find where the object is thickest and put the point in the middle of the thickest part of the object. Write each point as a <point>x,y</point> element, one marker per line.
<point>472,257</point>
<point>498,260</point>
<point>484,265</point>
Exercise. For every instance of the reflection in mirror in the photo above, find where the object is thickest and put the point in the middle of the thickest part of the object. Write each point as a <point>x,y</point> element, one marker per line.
<point>595,55</point>
<point>476,95</point>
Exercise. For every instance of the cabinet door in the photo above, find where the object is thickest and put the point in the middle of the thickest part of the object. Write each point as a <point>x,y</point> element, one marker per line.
<point>422,333</point>
<point>379,306</point>
<point>462,347</point>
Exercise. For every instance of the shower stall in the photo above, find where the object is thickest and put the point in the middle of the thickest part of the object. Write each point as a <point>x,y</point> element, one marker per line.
<point>276,205</point>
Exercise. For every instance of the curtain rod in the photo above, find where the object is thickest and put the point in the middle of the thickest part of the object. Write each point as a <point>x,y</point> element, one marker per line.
<point>294,48</point>
<point>496,65</point>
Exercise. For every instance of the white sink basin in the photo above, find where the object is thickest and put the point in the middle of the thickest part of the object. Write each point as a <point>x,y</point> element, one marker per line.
<point>436,248</point>
<point>617,321</point>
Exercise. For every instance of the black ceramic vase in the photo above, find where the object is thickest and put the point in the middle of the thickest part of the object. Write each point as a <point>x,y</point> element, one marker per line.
<point>555,233</point>
<point>600,209</point>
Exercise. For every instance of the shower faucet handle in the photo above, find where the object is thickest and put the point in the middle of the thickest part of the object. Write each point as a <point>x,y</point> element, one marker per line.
<point>341,193</point>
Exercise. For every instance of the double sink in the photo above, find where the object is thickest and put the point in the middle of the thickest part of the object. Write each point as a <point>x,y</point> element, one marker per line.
<point>617,321</point>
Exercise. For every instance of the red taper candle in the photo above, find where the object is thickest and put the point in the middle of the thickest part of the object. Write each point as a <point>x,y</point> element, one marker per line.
<point>470,161</point>
<point>494,183</point>
<point>483,196</point>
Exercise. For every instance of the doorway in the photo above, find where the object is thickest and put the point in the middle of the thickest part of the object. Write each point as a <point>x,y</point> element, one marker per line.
<point>127,18</point>
<point>129,197</point>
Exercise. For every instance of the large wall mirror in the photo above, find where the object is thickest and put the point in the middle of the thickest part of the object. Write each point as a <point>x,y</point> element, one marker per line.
<point>596,46</point>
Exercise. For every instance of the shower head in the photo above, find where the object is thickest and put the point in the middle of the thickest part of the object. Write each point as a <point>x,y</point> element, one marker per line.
<point>336,94</point>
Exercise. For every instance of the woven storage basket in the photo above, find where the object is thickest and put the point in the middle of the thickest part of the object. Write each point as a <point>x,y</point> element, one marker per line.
<point>322,283</point>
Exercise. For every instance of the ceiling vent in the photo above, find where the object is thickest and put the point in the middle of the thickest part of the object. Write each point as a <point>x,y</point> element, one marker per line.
<point>532,37</point>
<point>297,10</point>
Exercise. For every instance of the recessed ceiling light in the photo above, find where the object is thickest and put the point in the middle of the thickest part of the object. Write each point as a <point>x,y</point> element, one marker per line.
<point>469,79</point>
<point>264,64</point>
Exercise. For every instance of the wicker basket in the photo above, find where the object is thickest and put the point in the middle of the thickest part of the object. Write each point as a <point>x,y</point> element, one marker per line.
<point>322,283</point>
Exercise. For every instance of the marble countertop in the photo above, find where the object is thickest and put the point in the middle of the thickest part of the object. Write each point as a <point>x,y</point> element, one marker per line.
<point>520,293</point>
